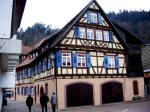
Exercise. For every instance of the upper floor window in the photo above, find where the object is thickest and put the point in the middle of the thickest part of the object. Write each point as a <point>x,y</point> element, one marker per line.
<point>66,59</point>
<point>111,61</point>
<point>99,35</point>
<point>90,34</point>
<point>94,17</point>
<point>106,35</point>
<point>81,60</point>
<point>82,33</point>
<point>73,59</point>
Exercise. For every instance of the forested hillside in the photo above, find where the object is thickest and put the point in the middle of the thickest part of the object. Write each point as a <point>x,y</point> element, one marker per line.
<point>137,22</point>
<point>34,34</point>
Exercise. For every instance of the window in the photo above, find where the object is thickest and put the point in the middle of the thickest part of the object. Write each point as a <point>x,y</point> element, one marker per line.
<point>106,36</point>
<point>90,34</point>
<point>46,89</point>
<point>99,35</point>
<point>82,33</point>
<point>81,60</point>
<point>94,17</point>
<point>66,59</point>
<point>111,62</point>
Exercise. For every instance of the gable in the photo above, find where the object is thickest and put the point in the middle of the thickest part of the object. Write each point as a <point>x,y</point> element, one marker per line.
<point>101,25</point>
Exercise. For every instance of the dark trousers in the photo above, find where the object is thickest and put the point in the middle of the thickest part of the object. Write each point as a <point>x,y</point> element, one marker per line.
<point>29,107</point>
<point>44,106</point>
<point>53,107</point>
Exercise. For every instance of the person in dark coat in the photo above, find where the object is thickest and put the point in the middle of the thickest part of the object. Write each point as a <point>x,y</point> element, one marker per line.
<point>29,102</point>
<point>43,101</point>
<point>53,101</point>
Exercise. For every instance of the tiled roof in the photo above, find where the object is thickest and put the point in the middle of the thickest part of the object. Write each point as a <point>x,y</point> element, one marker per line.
<point>26,49</point>
<point>26,62</point>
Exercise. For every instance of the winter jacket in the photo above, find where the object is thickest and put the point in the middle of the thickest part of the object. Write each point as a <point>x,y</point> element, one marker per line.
<point>53,99</point>
<point>29,101</point>
<point>44,99</point>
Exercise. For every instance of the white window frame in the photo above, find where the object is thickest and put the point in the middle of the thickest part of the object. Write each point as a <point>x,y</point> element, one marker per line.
<point>67,57</point>
<point>99,35</point>
<point>90,34</point>
<point>106,35</point>
<point>82,58</point>
<point>82,32</point>
<point>94,18</point>
<point>111,62</point>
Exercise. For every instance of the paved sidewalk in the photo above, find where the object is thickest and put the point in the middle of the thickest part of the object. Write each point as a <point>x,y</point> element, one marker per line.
<point>134,106</point>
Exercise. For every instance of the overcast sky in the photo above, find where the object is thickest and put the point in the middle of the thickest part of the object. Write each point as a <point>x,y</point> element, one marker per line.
<point>58,12</point>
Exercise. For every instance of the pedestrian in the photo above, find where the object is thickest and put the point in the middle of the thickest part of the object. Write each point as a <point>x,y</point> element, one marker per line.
<point>53,101</point>
<point>29,102</point>
<point>43,101</point>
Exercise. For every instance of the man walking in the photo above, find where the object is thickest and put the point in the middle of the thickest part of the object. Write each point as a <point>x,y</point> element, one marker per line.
<point>53,101</point>
<point>43,101</point>
<point>29,102</point>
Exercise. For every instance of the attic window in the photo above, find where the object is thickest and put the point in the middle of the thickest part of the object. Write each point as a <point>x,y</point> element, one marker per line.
<point>93,17</point>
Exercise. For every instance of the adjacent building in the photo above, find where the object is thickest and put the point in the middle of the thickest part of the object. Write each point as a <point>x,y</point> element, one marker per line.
<point>90,61</point>
<point>11,12</point>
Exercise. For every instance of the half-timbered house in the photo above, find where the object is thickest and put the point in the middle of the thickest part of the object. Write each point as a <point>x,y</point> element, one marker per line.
<point>90,61</point>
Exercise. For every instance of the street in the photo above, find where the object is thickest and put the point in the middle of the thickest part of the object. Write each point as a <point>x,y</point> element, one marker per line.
<point>133,106</point>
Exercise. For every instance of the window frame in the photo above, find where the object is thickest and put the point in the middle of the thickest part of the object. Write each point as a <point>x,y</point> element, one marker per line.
<point>94,17</point>
<point>82,29</point>
<point>81,66</point>
<point>66,59</point>
<point>90,31</point>
<point>104,39</point>
<point>108,56</point>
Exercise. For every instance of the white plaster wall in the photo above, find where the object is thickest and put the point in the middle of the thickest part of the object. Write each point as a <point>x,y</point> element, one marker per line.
<point>5,18</point>
<point>7,80</point>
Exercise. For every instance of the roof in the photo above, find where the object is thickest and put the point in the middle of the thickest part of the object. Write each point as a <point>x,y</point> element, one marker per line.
<point>18,9</point>
<point>122,29</point>
<point>25,62</point>
<point>55,38</point>
<point>146,57</point>
<point>26,49</point>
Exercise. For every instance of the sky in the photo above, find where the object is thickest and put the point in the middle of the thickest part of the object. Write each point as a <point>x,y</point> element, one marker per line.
<point>57,13</point>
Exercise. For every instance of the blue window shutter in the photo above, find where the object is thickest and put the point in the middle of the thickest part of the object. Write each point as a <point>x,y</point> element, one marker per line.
<point>88,57</point>
<point>50,63</point>
<point>45,63</point>
<point>24,90</point>
<point>58,59</point>
<point>40,67</point>
<point>74,59</point>
<point>35,69</point>
<point>99,18</point>
<point>88,16</point>
<point>117,61</point>
<point>111,36</point>
<point>30,71</point>
<point>77,31</point>
<point>106,61</point>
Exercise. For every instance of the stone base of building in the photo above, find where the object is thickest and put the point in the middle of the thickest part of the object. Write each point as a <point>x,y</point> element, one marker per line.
<point>90,91</point>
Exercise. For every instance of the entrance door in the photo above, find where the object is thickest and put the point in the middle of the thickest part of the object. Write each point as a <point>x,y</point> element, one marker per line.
<point>79,94</point>
<point>112,92</point>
